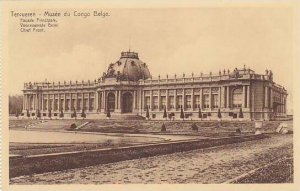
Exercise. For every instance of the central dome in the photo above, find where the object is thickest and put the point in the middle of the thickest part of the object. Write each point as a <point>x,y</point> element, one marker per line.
<point>128,67</point>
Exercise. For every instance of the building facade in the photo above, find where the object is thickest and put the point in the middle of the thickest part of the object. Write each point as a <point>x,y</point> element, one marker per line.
<point>127,89</point>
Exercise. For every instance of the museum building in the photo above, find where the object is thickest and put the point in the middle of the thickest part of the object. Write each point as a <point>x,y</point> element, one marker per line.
<point>128,90</point>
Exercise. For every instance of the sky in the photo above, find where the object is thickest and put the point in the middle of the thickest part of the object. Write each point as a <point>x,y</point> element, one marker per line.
<point>170,41</point>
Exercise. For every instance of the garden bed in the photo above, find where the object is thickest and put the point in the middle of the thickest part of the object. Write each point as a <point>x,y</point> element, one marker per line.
<point>67,160</point>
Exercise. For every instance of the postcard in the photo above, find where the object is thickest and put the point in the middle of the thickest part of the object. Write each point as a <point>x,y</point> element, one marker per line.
<point>150,95</point>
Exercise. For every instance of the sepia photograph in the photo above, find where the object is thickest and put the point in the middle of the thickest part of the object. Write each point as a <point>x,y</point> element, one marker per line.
<point>102,94</point>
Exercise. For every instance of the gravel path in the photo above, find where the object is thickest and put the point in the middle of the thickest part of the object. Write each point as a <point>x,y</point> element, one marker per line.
<point>214,165</point>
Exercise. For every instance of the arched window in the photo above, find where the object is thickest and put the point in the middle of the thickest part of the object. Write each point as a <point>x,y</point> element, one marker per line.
<point>127,102</point>
<point>237,97</point>
<point>111,102</point>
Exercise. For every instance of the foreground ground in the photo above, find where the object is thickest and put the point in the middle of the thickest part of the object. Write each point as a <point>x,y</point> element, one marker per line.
<point>214,165</point>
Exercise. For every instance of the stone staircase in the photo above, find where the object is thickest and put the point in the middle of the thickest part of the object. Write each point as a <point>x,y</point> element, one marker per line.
<point>127,117</point>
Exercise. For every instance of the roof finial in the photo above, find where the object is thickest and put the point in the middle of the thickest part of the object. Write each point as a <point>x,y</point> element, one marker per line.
<point>129,43</point>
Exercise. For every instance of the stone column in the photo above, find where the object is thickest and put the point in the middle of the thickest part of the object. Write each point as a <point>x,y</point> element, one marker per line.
<point>151,100</point>
<point>76,102</point>
<point>167,99</point>
<point>52,109</point>
<point>40,101</point>
<point>96,101</point>
<point>175,99</point>
<point>244,97</point>
<point>285,105</point>
<point>70,105</point>
<point>266,98</point>
<point>201,98</point>
<point>117,97</point>
<point>88,102</point>
<point>82,102</point>
<point>104,100</point>
<point>159,100</point>
<point>59,102</point>
<point>116,100</point>
<point>23,107</point>
<point>48,102</point>
<point>220,97</point>
<point>27,101</point>
<point>99,101</point>
<point>210,98</point>
<point>271,98</point>
<point>65,102</point>
<point>248,96</point>
<point>102,104</point>
<point>223,97</point>
<point>33,100</point>
<point>42,98</point>
<point>192,100</point>
<point>134,99</point>
<point>24,102</point>
<point>228,97</point>
<point>142,100</point>
<point>183,99</point>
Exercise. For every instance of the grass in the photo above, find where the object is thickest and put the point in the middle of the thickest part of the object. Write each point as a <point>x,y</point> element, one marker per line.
<point>26,149</point>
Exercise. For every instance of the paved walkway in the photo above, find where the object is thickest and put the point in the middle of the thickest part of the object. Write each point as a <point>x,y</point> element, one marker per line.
<point>214,165</point>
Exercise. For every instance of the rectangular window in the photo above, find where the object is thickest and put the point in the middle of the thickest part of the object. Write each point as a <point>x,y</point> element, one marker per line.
<point>61,103</point>
<point>67,104</point>
<point>215,101</point>
<point>72,104</point>
<point>155,102</point>
<point>163,102</point>
<point>206,101</point>
<point>147,102</point>
<point>171,102</point>
<point>45,104</point>
<point>50,104</point>
<point>179,101</point>
<point>79,104</point>
<point>188,101</point>
<point>197,101</point>
<point>85,103</point>
<point>56,104</point>
<point>91,104</point>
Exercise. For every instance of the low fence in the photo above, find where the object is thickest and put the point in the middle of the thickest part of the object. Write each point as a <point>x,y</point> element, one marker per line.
<point>61,161</point>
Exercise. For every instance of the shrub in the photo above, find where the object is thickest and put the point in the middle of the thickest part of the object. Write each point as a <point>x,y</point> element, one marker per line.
<point>83,115</point>
<point>38,114</point>
<point>27,113</point>
<point>49,114</point>
<point>163,128</point>
<point>219,114</point>
<point>61,115</point>
<point>238,131</point>
<point>241,115</point>
<point>165,113</point>
<point>147,113</point>
<point>108,113</point>
<point>74,115</point>
<point>17,114</point>
<point>199,113</point>
<point>73,126</point>
<point>181,114</point>
<point>194,127</point>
